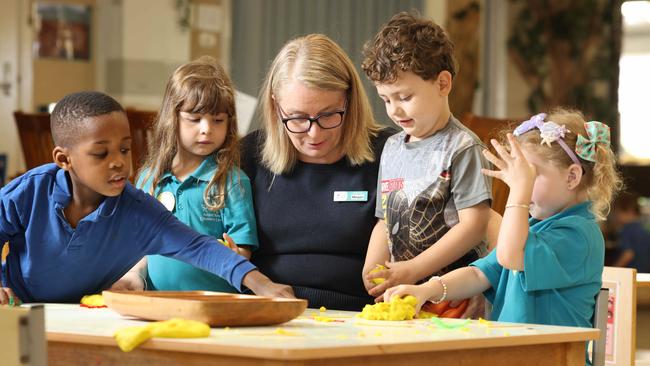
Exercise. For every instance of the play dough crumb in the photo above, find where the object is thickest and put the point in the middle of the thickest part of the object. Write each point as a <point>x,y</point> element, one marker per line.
<point>282,331</point>
<point>322,309</point>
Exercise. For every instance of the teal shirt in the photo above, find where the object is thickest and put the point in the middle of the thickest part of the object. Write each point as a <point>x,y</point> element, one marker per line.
<point>563,267</point>
<point>237,218</point>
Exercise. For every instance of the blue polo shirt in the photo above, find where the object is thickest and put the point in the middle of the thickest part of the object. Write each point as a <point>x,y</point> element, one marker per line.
<point>237,218</point>
<point>49,261</point>
<point>634,236</point>
<point>563,267</point>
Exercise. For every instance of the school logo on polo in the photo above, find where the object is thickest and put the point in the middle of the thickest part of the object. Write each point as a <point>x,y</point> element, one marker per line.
<point>209,215</point>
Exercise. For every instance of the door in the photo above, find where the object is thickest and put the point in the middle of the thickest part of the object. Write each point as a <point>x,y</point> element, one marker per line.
<point>9,92</point>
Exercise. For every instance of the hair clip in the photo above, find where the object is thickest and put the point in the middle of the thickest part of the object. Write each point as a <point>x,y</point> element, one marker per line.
<point>597,133</point>
<point>549,132</point>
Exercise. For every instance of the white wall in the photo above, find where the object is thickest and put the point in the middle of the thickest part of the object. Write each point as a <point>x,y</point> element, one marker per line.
<point>142,44</point>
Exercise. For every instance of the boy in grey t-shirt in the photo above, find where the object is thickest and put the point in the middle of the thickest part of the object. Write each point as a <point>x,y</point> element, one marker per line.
<point>434,203</point>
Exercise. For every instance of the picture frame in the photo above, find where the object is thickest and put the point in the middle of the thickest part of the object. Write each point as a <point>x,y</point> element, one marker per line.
<point>620,344</point>
<point>62,31</point>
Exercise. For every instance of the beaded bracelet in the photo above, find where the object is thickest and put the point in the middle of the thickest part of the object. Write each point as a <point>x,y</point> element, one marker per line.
<point>444,289</point>
<point>522,205</point>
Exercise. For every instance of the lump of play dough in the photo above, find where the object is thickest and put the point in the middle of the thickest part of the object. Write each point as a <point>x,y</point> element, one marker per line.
<point>130,337</point>
<point>396,309</point>
<point>93,301</point>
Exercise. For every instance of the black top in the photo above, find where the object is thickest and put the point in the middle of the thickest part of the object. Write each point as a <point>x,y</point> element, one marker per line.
<point>307,240</point>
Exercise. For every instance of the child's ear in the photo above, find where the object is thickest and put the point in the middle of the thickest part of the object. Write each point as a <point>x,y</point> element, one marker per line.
<point>61,158</point>
<point>444,81</point>
<point>575,176</point>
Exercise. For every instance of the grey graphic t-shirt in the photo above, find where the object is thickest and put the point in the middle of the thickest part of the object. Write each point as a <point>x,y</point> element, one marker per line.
<point>423,184</point>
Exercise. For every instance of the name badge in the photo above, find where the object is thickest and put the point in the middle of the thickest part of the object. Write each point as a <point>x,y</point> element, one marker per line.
<point>167,199</point>
<point>350,196</point>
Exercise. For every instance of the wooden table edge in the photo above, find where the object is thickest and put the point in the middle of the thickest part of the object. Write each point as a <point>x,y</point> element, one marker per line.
<point>186,345</point>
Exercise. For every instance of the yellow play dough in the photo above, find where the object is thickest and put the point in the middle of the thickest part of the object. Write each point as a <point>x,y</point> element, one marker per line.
<point>379,280</point>
<point>130,337</point>
<point>93,300</point>
<point>282,331</point>
<point>324,319</point>
<point>396,309</point>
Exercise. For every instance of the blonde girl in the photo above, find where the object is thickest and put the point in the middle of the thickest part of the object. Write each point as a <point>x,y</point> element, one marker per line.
<point>546,269</point>
<point>192,167</point>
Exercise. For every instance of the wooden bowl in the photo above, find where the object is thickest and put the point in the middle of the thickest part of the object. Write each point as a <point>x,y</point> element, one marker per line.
<point>217,309</point>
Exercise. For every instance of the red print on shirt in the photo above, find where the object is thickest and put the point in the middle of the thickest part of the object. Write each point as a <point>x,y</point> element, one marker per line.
<point>389,185</point>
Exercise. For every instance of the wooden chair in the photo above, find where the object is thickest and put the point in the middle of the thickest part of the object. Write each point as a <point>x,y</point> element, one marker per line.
<point>598,349</point>
<point>491,128</point>
<point>37,145</point>
<point>140,122</point>
<point>35,138</point>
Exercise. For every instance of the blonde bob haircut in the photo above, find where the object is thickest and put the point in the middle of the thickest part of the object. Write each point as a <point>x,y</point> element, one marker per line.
<point>317,62</point>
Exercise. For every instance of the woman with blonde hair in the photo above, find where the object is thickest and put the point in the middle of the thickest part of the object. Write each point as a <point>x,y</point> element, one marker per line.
<point>313,169</point>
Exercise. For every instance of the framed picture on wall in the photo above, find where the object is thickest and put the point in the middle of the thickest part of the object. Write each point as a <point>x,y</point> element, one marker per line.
<point>62,31</point>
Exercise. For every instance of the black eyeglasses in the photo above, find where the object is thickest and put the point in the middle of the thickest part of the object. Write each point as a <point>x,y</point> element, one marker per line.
<point>302,124</point>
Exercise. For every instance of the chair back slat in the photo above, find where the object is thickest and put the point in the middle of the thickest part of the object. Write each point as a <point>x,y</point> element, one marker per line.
<point>35,138</point>
<point>37,145</point>
<point>486,129</point>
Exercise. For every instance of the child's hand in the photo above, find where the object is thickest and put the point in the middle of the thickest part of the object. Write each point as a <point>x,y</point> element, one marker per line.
<point>421,292</point>
<point>230,243</point>
<point>475,308</point>
<point>396,273</point>
<point>514,169</point>
<point>263,286</point>
<point>7,297</point>
<point>131,281</point>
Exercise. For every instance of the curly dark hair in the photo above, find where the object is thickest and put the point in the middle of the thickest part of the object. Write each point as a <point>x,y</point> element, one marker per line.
<point>408,43</point>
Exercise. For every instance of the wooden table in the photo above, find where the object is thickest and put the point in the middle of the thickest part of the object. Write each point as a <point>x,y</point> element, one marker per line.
<point>643,280</point>
<point>78,335</point>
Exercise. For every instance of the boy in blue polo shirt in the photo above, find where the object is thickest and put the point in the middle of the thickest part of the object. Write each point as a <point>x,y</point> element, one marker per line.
<point>77,226</point>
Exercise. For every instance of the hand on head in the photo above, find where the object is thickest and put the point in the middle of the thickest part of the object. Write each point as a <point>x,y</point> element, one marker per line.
<point>513,168</point>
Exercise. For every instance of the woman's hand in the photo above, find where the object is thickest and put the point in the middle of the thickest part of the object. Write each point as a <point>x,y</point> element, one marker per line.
<point>7,297</point>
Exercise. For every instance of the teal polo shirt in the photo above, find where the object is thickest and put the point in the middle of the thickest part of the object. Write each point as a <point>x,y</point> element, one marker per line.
<point>563,267</point>
<point>237,218</point>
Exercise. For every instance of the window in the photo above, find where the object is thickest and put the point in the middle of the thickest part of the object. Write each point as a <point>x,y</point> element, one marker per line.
<point>634,83</point>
